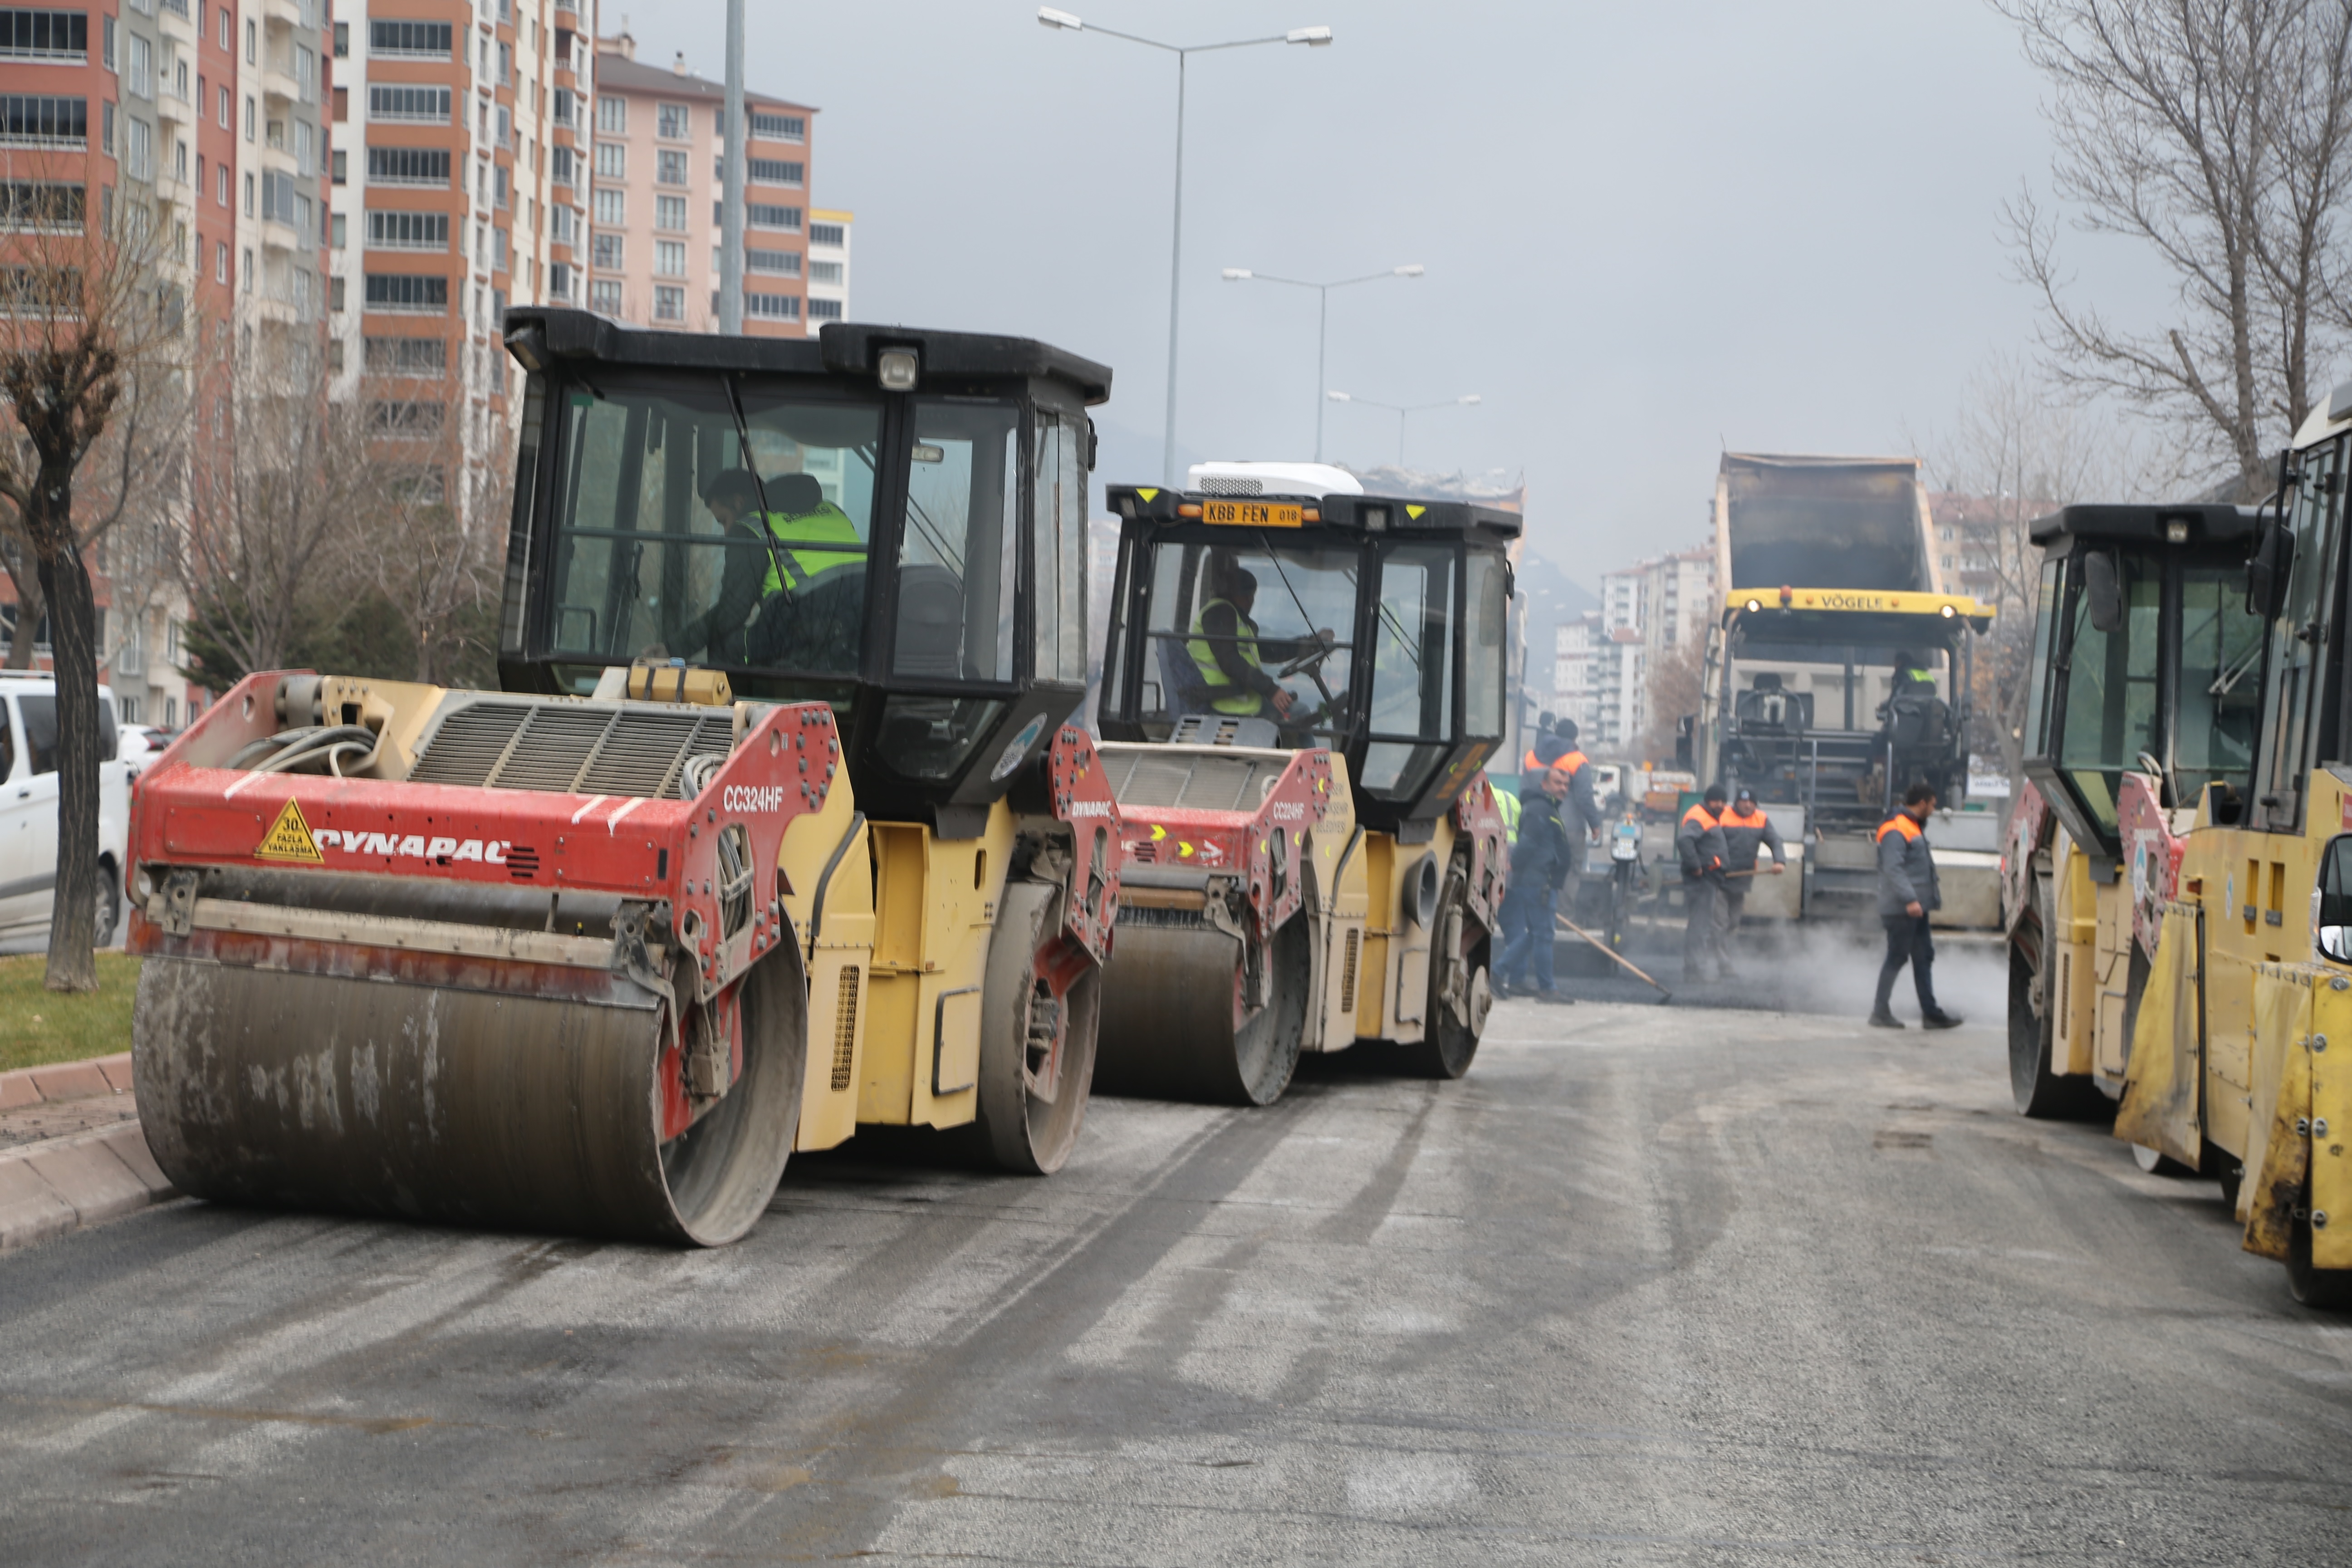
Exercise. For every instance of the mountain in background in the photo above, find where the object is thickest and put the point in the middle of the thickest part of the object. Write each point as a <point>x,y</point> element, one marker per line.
<point>1552,597</point>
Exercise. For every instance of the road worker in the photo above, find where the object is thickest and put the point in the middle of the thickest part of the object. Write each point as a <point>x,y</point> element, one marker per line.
<point>797,515</point>
<point>1540,863</point>
<point>1907,895</point>
<point>1746,832</point>
<point>1229,653</point>
<point>1698,842</point>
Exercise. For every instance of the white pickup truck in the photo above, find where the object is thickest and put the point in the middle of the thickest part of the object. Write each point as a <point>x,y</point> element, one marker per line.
<point>28,811</point>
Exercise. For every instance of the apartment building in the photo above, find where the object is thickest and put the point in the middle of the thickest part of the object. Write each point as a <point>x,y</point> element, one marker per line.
<point>655,225</point>
<point>459,188</point>
<point>203,124</point>
<point>1652,613</point>
<point>828,265</point>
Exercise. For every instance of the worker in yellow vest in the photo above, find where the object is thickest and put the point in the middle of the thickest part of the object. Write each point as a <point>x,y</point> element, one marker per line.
<point>1908,896</point>
<point>1230,656</point>
<point>800,521</point>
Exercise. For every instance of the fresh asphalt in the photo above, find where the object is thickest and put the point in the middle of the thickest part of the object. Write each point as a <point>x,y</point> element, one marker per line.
<point>1650,1286</point>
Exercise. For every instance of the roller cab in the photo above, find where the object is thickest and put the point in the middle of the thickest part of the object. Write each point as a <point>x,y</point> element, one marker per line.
<point>776,828</point>
<point>1301,686</point>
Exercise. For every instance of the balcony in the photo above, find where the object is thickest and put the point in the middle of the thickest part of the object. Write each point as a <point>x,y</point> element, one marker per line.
<point>278,14</point>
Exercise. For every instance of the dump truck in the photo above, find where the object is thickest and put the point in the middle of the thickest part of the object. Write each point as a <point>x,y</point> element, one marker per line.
<point>1307,872</point>
<point>1838,672</point>
<point>2144,688</point>
<point>770,833</point>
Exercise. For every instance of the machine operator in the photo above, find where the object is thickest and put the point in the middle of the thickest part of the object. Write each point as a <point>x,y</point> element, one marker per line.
<point>1229,653</point>
<point>799,516</point>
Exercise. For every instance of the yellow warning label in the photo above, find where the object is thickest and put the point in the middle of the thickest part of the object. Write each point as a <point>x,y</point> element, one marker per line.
<point>289,838</point>
<point>1148,495</point>
<point>1415,512</point>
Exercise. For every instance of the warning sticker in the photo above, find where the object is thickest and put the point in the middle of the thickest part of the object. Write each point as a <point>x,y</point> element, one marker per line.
<point>289,838</point>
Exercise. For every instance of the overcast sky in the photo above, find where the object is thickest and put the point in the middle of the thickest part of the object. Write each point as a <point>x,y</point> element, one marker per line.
<point>1649,230</point>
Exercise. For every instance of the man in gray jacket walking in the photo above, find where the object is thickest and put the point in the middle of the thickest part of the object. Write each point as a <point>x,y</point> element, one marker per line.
<point>1908,894</point>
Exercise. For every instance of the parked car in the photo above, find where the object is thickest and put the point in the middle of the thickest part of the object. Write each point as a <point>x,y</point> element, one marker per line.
<point>28,810</point>
<point>137,746</point>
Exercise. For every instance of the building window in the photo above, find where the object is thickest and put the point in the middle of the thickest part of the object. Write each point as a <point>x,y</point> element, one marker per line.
<point>776,172</point>
<point>772,307</point>
<point>248,117</point>
<point>427,104</point>
<point>407,230</point>
<point>558,225</point>
<point>506,65</point>
<point>670,213</point>
<point>338,235</point>
<point>605,294</point>
<point>29,121</point>
<point>613,114</point>
<point>824,272</point>
<point>608,252</point>
<point>560,105</point>
<point>220,261</point>
<point>669,304</point>
<point>824,310</point>
<point>410,40</point>
<point>277,196</point>
<point>424,358</point>
<point>403,419</point>
<point>40,206</point>
<point>29,35</point>
<point>669,257</point>
<point>138,152</point>
<point>139,79</point>
<point>783,263</point>
<point>559,167</point>
<point>339,166</point>
<point>763,215</point>
<point>671,170</point>
<point>611,209</point>
<point>408,165</point>
<point>779,127</point>
<point>674,122</point>
<point>342,37</point>
<point>408,293</point>
<point>222,106</point>
<point>825,234</point>
<point>611,161</point>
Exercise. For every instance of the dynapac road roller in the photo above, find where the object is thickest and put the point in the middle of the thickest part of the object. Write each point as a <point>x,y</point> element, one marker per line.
<point>1301,685</point>
<point>774,829</point>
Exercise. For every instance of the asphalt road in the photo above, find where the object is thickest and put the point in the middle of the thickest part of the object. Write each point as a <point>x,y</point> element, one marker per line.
<point>1652,1285</point>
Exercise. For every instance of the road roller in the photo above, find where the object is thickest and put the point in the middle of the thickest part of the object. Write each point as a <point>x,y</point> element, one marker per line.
<point>776,826</point>
<point>1301,685</point>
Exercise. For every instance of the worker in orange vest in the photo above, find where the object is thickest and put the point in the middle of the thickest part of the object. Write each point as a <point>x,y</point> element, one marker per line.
<point>1747,832</point>
<point>1908,896</point>
<point>1698,842</point>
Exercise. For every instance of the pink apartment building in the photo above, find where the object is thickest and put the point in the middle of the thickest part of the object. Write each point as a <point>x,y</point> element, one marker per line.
<point>654,218</point>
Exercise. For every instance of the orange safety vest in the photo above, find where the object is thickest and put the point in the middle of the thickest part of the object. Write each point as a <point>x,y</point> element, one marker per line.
<point>1705,819</point>
<point>1899,823</point>
<point>1572,761</point>
<point>1734,818</point>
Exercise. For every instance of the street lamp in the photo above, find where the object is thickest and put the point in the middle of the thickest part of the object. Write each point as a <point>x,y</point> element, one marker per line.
<point>1062,21</point>
<point>1402,409</point>
<point>1323,315</point>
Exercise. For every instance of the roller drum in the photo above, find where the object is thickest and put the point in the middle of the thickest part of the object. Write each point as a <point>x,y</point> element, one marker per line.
<point>1173,1026</point>
<point>526,1112</point>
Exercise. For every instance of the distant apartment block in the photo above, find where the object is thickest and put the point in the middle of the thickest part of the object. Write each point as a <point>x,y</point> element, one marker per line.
<point>459,188</point>
<point>655,224</point>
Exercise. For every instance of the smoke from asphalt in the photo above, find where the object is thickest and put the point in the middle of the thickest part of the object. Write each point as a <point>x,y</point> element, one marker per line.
<point>1819,966</point>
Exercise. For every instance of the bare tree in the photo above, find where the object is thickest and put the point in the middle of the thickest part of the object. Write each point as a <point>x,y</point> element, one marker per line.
<point>2019,450</point>
<point>446,499</point>
<point>1671,694</point>
<point>2215,133</point>
<point>90,317</point>
<point>278,497</point>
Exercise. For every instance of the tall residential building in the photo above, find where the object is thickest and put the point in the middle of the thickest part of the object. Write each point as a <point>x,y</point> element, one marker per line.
<point>828,265</point>
<point>458,189</point>
<point>655,219</point>
<point>204,123</point>
<point>1652,613</point>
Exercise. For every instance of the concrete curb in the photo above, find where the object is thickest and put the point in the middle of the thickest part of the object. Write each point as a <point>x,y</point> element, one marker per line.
<point>60,1184</point>
<point>65,1081</point>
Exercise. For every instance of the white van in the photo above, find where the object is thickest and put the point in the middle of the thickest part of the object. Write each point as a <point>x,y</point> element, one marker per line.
<point>28,811</point>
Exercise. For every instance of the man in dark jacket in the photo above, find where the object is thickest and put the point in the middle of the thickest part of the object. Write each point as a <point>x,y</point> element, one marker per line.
<point>1698,842</point>
<point>1540,865</point>
<point>1907,895</point>
<point>1746,832</point>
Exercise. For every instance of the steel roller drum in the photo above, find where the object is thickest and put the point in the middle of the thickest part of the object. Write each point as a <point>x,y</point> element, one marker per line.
<point>1172,1026</point>
<point>469,1106</point>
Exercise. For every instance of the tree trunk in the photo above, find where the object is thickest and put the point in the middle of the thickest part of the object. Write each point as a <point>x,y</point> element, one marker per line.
<point>73,641</point>
<point>31,605</point>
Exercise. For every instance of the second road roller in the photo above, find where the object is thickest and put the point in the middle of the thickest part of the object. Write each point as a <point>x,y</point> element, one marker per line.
<point>1301,687</point>
<point>775,828</point>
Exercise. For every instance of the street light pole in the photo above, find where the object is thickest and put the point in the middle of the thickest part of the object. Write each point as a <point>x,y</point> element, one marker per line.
<point>1063,21</point>
<point>1402,409</point>
<point>731,195</point>
<point>1323,317</point>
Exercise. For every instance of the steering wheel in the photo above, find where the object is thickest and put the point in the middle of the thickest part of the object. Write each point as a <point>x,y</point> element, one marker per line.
<point>1309,659</point>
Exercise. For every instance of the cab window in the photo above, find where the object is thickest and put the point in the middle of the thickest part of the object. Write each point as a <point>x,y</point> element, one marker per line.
<point>2110,676</point>
<point>1412,670</point>
<point>1219,610</point>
